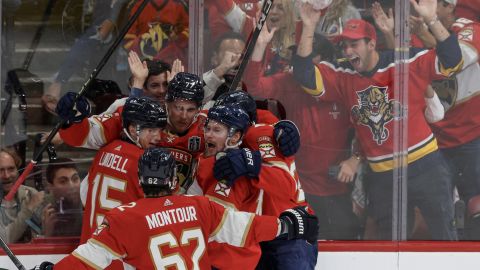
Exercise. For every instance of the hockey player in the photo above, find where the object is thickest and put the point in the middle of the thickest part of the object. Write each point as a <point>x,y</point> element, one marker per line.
<point>237,178</point>
<point>286,134</point>
<point>183,101</point>
<point>168,230</point>
<point>365,85</point>
<point>248,104</point>
<point>112,177</point>
<point>183,133</point>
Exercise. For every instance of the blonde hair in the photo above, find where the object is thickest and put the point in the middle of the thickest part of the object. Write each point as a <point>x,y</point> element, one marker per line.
<point>284,37</point>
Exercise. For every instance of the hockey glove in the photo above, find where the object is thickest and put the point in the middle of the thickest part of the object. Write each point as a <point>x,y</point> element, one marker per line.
<point>287,136</point>
<point>297,223</point>
<point>44,266</point>
<point>235,163</point>
<point>70,113</point>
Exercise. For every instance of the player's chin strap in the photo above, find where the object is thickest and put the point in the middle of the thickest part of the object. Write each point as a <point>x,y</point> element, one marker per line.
<point>229,137</point>
<point>137,141</point>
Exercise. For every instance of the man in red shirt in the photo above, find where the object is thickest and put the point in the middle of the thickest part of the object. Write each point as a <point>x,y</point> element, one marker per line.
<point>365,86</point>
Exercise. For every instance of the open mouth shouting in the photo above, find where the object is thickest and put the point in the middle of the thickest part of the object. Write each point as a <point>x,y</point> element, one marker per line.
<point>211,148</point>
<point>355,61</point>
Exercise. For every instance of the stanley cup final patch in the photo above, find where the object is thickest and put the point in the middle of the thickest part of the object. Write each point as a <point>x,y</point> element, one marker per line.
<point>265,146</point>
<point>194,143</point>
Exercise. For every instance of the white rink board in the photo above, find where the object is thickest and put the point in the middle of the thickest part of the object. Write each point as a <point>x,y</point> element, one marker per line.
<point>398,261</point>
<point>342,260</point>
<point>29,261</point>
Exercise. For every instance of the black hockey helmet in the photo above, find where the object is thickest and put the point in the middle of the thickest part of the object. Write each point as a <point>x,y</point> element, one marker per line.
<point>157,171</point>
<point>145,112</point>
<point>185,86</point>
<point>242,99</point>
<point>232,116</point>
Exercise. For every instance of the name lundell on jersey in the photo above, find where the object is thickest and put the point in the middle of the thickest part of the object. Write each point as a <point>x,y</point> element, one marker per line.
<point>177,215</point>
<point>113,161</point>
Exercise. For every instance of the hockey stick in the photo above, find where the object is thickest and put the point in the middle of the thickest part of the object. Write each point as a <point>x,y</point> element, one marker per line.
<point>84,88</point>
<point>251,44</point>
<point>12,256</point>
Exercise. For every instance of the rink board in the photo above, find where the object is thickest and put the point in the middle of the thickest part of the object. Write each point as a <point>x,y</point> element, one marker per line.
<point>333,255</point>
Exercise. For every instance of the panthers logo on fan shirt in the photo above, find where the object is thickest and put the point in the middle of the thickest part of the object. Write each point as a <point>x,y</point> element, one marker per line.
<point>374,110</point>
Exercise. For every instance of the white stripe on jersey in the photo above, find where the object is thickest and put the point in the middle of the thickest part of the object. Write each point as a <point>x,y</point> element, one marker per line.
<point>96,254</point>
<point>96,136</point>
<point>195,189</point>
<point>233,229</point>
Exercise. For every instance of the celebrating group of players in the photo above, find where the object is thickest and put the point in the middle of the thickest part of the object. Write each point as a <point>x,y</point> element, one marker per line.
<point>151,154</point>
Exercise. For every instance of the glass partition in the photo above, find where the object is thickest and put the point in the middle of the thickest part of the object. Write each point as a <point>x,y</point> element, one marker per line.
<point>355,79</point>
<point>52,47</point>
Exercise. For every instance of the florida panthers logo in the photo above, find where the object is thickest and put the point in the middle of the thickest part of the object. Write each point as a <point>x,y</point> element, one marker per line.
<point>374,110</point>
<point>184,162</point>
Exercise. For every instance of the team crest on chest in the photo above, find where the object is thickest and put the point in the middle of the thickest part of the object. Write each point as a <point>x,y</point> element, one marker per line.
<point>184,161</point>
<point>374,110</point>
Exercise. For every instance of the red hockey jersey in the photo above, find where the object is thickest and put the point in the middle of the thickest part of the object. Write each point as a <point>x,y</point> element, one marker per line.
<point>93,132</point>
<point>280,182</point>
<point>242,196</point>
<point>170,231</point>
<point>98,130</point>
<point>112,181</point>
